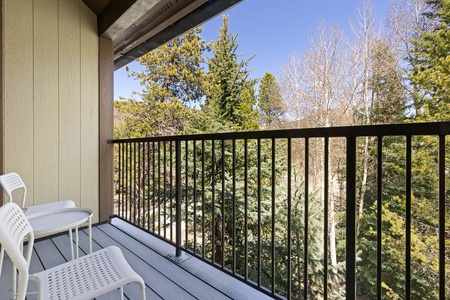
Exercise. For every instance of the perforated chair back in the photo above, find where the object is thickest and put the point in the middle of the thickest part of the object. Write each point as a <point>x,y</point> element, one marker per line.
<point>11,182</point>
<point>83,278</point>
<point>14,227</point>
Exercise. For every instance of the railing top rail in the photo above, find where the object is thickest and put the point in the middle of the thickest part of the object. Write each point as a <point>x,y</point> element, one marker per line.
<point>410,129</point>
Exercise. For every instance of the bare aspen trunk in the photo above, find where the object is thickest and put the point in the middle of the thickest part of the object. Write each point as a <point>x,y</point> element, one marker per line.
<point>364,178</point>
<point>333,255</point>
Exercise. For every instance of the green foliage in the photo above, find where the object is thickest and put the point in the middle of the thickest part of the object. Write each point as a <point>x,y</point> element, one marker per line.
<point>431,71</point>
<point>431,80</point>
<point>154,118</point>
<point>173,79</point>
<point>389,103</point>
<point>230,93</point>
<point>174,70</point>
<point>424,222</point>
<point>270,102</point>
<point>424,262</point>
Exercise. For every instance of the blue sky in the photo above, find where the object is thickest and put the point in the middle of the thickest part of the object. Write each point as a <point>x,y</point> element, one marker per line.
<point>271,30</point>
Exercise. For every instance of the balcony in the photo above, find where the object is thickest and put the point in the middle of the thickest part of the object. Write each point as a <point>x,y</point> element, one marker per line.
<point>249,209</point>
<point>258,205</point>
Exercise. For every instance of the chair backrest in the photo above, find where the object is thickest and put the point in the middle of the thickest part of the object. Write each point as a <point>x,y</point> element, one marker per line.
<point>14,227</point>
<point>11,182</point>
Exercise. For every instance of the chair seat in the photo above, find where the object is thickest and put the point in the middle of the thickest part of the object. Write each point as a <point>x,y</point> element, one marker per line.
<point>48,207</point>
<point>87,277</point>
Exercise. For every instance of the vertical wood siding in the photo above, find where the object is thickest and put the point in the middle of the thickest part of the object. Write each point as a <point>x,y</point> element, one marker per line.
<point>50,67</point>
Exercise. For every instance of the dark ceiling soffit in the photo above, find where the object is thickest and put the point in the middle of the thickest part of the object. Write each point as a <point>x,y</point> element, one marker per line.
<point>111,14</point>
<point>192,20</point>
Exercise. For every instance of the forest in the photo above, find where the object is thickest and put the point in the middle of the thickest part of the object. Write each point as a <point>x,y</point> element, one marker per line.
<point>391,74</point>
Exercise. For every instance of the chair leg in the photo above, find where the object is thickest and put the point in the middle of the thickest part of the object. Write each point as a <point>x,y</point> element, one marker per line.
<point>143,291</point>
<point>121,292</point>
<point>14,282</point>
<point>2,254</point>
<point>71,243</point>
<point>76,242</point>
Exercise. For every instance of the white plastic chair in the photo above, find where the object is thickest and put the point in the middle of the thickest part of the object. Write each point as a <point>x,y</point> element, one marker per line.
<point>11,182</point>
<point>86,277</point>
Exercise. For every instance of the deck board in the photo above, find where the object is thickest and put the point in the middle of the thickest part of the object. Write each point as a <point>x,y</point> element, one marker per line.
<point>164,279</point>
<point>157,282</point>
<point>191,284</point>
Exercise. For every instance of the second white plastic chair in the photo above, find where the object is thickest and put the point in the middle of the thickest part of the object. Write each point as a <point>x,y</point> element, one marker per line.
<point>12,182</point>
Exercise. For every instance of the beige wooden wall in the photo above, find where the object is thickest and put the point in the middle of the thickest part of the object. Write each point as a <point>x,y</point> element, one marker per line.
<point>50,99</point>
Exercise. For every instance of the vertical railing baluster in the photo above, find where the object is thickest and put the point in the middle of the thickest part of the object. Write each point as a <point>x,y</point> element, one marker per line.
<point>442,220</point>
<point>246,209</point>
<point>159,188</point>
<point>138,184</point>
<point>273,218</point>
<point>194,175</point>
<point>178,197</point>
<point>127,183</point>
<point>259,211</point>
<point>222,162</point>
<point>131,176</point>
<point>306,220</point>
<point>119,177</point>
<point>234,205</point>
<point>130,182</point>
<point>350,236</point>
<point>148,185</point>
<point>203,198</point>
<point>325,216</point>
<point>123,181</point>
<point>164,187</point>
<point>379,213</point>
<point>186,192</point>
<point>213,187</point>
<point>133,195</point>
<point>408,218</point>
<point>154,185</point>
<point>142,181</point>
<point>289,213</point>
<point>171,188</point>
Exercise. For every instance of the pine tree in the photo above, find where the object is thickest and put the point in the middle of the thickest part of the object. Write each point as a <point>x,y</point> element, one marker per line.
<point>431,80</point>
<point>432,66</point>
<point>270,102</point>
<point>230,93</point>
<point>173,79</point>
<point>389,93</point>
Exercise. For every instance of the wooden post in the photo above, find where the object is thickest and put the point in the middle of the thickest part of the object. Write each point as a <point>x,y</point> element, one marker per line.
<point>106,129</point>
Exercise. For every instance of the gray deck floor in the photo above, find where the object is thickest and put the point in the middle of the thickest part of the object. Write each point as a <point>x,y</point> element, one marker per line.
<point>147,255</point>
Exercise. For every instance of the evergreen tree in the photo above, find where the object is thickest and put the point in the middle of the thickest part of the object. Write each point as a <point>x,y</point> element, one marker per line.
<point>389,93</point>
<point>230,92</point>
<point>431,67</point>
<point>431,80</point>
<point>270,102</point>
<point>173,79</point>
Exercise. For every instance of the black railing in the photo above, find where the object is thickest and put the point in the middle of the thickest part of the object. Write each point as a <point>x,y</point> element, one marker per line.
<point>267,207</point>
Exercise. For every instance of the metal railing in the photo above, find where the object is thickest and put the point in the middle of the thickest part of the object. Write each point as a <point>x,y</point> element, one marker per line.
<point>257,204</point>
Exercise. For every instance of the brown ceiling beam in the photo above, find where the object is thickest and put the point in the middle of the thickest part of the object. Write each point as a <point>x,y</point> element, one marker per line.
<point>182,9</point>
<point>194,19</point>
<point>119,15</point>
